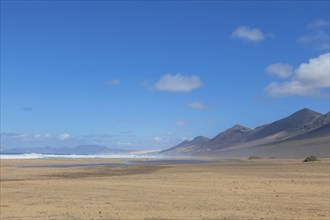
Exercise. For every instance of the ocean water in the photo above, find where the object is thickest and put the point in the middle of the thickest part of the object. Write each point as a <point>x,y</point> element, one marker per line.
<point>44,156</point>
<point>126,162</point>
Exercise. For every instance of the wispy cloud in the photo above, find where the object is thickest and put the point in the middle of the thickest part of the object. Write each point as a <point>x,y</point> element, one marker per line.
<point>317,35</point>
<point>157,139</point>
<point>28,109</point>
<point>308,79</point>
<point>99,136</point>
<point>282,70</point>
<point>146,82</point>
<point>249,34</point>
<point>186,138</point>
<point>178,83</point>
<point>180,123</point>
<point>113,82</point>
<point>24,137</point>
<point>13,140</point>
<point>125,120</point>
<point>63,136</point>
<point>196,105</point>
<point>318,24</point>
<point>23,140</point>
<point>124,144</point>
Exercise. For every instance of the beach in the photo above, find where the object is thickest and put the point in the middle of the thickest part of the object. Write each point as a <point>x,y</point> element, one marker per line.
<point>224,189</point>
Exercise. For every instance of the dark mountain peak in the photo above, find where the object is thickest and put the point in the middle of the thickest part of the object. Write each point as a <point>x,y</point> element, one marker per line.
<point>300,118</point>
<point>239,127</point>
<point>200,139</point>
<point>305,112</point>
<point>229,137</point>
<point>294,123</point>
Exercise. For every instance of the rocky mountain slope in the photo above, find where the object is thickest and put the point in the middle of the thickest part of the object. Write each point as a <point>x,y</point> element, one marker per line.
<point>298,132</point>
<point>187,146</point>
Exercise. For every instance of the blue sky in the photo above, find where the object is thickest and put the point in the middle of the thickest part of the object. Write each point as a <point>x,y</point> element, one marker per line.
<point>147,75</point>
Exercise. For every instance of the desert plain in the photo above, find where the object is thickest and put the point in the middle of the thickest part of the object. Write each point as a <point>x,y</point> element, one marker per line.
<point>221,189</point>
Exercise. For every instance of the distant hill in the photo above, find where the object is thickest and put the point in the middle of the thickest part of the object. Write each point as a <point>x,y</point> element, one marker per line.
<point>236,134</point>
<point>301,133</point>
<point>187,146</point>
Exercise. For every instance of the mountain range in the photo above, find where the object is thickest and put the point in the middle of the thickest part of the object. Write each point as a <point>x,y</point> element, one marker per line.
<point>302,133</point>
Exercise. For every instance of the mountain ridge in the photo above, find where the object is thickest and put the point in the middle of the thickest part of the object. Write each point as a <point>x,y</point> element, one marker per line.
<point>199,140</point>
<point>300,126</point>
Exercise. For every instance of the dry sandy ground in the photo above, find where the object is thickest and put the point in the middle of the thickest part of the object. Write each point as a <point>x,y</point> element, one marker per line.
<point>260,189</point>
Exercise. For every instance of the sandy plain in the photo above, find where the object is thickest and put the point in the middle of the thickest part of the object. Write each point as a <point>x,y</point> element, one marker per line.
<point>232,189</point>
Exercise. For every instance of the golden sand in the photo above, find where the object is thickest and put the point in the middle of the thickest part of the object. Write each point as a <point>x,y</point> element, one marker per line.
<point>241,189</point>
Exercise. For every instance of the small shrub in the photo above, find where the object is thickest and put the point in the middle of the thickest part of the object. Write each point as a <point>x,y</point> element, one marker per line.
<point>310,158</point>
<point>254,158</point>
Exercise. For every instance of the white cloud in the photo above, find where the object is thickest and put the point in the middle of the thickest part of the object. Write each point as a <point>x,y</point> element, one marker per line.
<point>64,136</point>
<point>317,35</point>
<point>196,105</point>
<point>249,34</point>
<point>308,79</point>
<point>282,70</point>
<point>113,82</point>
<point>315,73</point>
<point>180,123</point>
<point>178,83</point>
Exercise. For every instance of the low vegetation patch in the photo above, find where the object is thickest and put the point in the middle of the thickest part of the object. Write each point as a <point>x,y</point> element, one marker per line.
<point>310,159</point>
<point>254,158</point>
